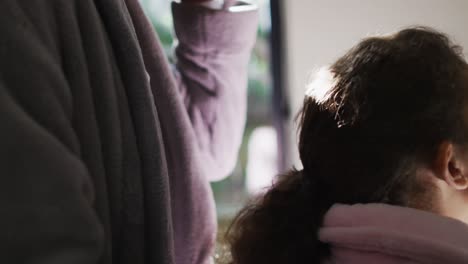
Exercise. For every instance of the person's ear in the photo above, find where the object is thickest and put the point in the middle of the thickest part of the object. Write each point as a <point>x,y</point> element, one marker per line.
<point>450,167</point>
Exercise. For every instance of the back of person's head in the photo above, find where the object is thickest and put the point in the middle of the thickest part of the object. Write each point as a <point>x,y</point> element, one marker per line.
<point>377,113</point>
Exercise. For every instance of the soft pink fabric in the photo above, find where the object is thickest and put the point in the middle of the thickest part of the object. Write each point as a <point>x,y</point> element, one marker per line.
<point>385,234</point>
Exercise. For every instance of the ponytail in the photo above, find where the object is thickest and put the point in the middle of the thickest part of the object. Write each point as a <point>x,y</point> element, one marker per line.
<point>281,226</point>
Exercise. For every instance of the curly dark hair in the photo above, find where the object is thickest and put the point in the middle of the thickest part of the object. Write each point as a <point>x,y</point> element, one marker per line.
<point>392,101</point>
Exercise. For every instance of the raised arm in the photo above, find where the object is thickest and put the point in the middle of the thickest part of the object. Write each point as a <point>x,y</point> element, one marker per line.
<point>212,55</point>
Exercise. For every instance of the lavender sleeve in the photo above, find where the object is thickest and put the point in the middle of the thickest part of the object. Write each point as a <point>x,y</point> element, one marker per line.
<point>212,55</point>
<point>201,106</point>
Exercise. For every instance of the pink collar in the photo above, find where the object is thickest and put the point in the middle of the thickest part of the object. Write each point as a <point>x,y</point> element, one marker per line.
<point>378,232</point>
